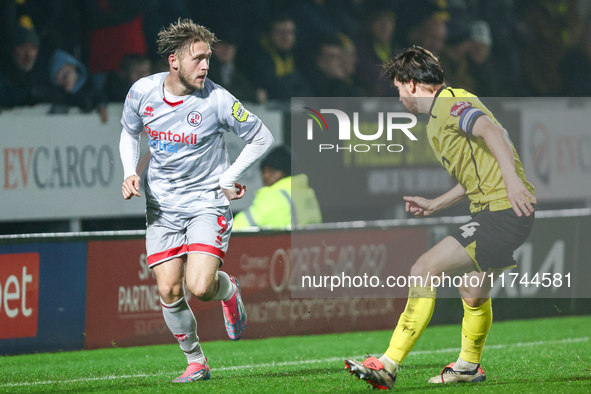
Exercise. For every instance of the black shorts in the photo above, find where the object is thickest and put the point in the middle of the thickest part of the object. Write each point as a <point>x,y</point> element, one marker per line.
<point>490,238</point>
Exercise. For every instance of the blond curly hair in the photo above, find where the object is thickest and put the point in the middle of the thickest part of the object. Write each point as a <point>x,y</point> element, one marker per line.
<point>179,36</point>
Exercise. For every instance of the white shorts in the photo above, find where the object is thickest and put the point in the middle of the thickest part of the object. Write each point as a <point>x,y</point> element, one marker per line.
<point>173,234</point>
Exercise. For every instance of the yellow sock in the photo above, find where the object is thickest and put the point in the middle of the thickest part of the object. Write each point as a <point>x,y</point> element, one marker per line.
<point>475,327</point>
<point>412,322</point>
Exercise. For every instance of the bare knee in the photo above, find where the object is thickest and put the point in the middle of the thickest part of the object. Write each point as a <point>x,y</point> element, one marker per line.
<point>422,269</point>
<point>170,292</point>
<point>202,290</point>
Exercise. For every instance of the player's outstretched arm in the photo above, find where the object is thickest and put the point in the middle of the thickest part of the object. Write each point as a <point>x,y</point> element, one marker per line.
<point>421,207</point>
<point>500,146</point>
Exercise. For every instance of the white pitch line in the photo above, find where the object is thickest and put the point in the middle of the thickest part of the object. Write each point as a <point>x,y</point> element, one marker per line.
<point>292,363</point>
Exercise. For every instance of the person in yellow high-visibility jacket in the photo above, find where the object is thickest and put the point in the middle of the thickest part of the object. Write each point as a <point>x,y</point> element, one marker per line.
<point>284,200</point>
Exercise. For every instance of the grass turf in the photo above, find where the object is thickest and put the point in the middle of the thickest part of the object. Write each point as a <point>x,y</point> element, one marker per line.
<point>552,355</point>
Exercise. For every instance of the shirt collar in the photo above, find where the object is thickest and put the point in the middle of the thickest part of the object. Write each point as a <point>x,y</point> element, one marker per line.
<point>435,98</point>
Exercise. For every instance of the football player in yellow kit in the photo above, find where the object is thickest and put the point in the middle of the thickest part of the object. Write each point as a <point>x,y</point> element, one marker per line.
<point>476,151</point>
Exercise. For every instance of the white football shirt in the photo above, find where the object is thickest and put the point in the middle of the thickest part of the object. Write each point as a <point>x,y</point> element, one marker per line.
<point>186,139</point>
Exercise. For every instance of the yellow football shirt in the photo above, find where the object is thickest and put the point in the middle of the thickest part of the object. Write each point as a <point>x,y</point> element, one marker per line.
<point>464,156</point>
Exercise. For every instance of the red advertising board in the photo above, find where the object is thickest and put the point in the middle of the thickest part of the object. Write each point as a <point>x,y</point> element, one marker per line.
<point>123,306</point>
<point>19,295</point>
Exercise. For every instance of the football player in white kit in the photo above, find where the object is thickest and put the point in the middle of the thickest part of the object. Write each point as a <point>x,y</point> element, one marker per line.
<point>190,182</point>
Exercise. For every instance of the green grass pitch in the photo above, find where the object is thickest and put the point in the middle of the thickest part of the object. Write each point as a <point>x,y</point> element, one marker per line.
<point>549,355</point>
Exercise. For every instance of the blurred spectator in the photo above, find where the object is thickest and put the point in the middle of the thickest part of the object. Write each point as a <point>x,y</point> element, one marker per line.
<point>272,64</point>
<point>466,62</point>
<point>557,29</point>
<point>115,29</point>
<point>133,68</point>
<point>317,18</point>
<point>23,70</point>
<point>32,75</point>
<point>575,68</point>
<point>159,13</point>
<point>349,63</point>
<point>15,13</point>
<point>423,23</point>
<point>223,70</point>
<point>330,74</point>
<point>72,87</point>
<point>507,32</point>
<point>376,46</point>
<point>284,199</point>
<point>250,18</point>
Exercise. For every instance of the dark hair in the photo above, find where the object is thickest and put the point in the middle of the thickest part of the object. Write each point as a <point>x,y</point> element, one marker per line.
<point>279,17</point>
<point>279,159</point>
<point>414,64</point>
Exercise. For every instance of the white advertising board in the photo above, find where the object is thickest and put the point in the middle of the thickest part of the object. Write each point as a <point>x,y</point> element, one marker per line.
<point>68,166</point>
<point>556,150</point>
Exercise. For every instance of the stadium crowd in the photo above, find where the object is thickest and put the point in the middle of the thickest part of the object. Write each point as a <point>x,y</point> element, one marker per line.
<point>86,53</point>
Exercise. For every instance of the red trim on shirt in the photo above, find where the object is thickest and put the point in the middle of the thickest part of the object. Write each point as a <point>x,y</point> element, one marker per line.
<point>207,249</point>
<point>171,103</point>
<point>166,255</point>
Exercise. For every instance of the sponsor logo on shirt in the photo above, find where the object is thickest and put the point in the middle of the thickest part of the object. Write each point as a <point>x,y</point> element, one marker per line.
<point>168,141</point>
<point>459,107</point>
<point>239,112</point>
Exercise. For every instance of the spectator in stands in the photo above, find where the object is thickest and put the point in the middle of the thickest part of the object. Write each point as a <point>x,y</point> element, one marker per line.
<point>224,71</point>
<point>72,87</point>
<point>557,29</point>
<point>330,74</point>
<point>349,63</point>
<point>160,13</point>
<point>317,18</point>
<point>115,29</point>
<point>507,32</point>
<point>22,70</point>
<point>272,63</point>
<point>575,68</point>
<point>133,67</point>
<point>14,14</point>
<point>284,199</point>
<point>375,47</point>
<point>466,61</point>
<point>423,23</point>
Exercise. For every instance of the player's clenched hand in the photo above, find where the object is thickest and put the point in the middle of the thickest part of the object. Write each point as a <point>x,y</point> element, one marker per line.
<point>418,206</point>
<point>130,187</point>
<point>521,199</point>
<point>235,193</point>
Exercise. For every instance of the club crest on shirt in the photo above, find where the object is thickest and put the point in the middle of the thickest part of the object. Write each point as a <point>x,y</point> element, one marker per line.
<point>459,107</point>
<point>194,118</point>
